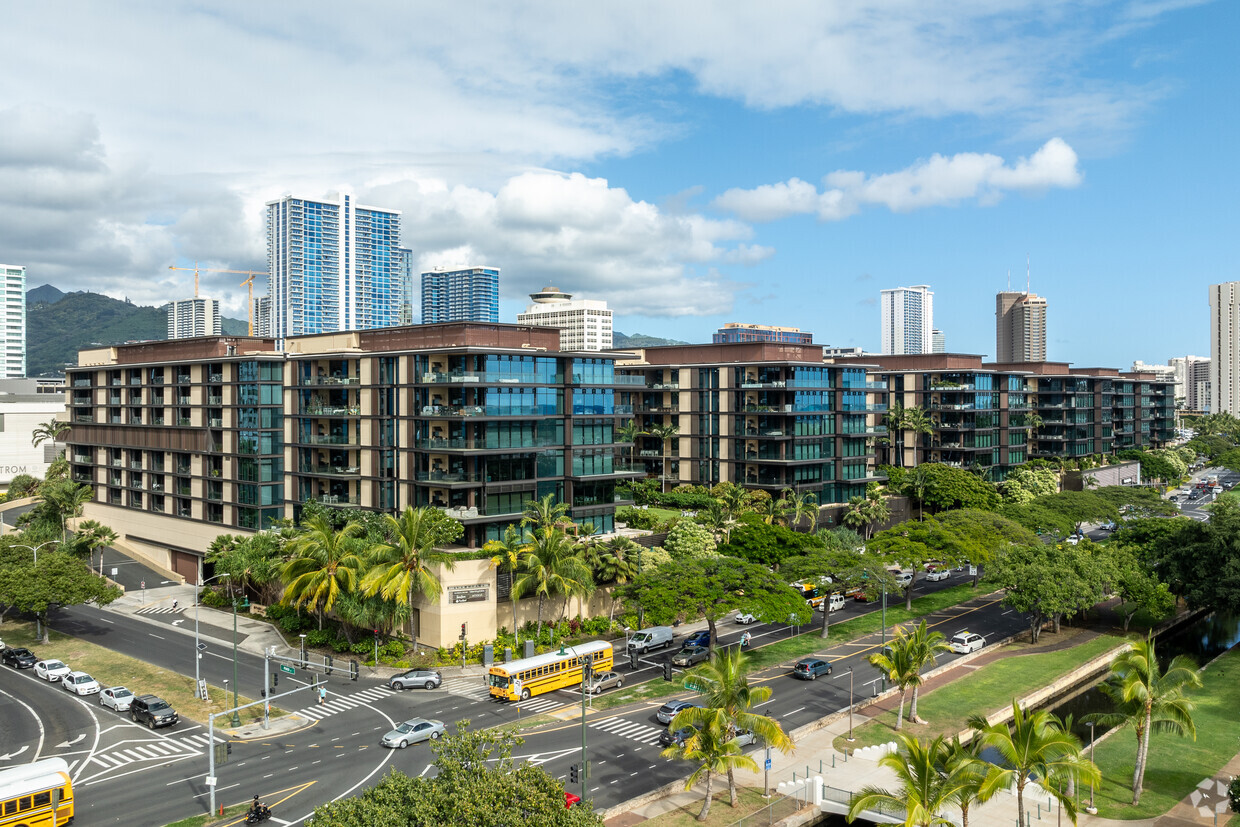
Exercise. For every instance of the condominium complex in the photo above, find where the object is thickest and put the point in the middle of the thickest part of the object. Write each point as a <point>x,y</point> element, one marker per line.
<point>198,316</point>
<point>333,264</point>
<point>739,332</point>
<point>1198,393</point>
<point>470,294</point>
<point>907,320</point>
<point>1225,348</point>
<point>25,404</point>
<point>584,324</point>
<point>762,415</point>
<point>1020,327</point>
<point>938,341</point>
<point>13,319</point>
<point>408,286</point>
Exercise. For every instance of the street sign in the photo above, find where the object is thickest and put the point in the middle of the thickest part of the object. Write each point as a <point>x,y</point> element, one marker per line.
<point>143,584</point>
<point>767,764</point>
<point>210,780</point>
<point>202,689</point>
<point>286,668</point>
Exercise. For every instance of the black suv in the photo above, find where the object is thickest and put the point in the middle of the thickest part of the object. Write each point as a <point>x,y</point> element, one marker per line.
<point>153,711</point>
<point>19,658</point>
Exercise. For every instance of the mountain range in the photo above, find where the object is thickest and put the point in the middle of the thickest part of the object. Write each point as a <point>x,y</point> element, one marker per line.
<point>59,324</point>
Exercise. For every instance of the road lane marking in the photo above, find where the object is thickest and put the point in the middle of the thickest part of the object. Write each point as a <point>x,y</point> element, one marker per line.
<point>152,634</point>
<point>793,712</point>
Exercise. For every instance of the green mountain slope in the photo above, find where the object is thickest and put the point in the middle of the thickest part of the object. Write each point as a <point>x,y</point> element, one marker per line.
<point>619,340</point>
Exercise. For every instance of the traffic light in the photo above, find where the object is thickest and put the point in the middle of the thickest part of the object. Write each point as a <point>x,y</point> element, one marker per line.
<point>573,777</point>
<point>462,631</point>
<point>667,670</point>
<point>228,748</point>
<point>633,658</point>
<point>275,678</point>
<point>376,633</point>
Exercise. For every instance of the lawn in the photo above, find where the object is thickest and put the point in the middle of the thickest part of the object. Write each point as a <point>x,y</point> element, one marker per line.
<point>984,690</point>
<point>1176,765</point>
<point>232,815</point>
<point>113,669</point>
<point>721,813</point>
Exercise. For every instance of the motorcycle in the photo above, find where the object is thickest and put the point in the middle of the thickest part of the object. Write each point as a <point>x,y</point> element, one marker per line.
<point>258,816</point>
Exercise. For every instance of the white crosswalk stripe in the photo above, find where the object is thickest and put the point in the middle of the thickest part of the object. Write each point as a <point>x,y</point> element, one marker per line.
<point>342,703</point>
<point>476,690</point>
<point>643,733</point>
<point>135,752</point>
<point>157,610</point>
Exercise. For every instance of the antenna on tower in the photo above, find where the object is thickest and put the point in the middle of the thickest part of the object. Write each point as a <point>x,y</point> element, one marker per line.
<point>1026,273</point>
<point>1009,280</point>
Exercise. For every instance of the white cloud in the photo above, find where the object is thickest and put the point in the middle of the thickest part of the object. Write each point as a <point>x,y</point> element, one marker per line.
<point>938,181</point>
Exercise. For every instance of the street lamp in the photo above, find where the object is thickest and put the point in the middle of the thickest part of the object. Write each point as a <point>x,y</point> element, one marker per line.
<point>236,718</point>
<point>850,703</point>
<point>1091,809</point>
<point>197,645</point>
<point>38,628</point>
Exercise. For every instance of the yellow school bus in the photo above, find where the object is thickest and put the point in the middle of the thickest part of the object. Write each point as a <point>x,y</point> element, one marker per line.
<point>548,672</point>
<point>36,794</point>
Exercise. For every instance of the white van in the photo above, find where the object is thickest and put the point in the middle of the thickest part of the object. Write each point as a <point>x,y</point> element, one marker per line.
<point>833,603</point>
<point>656,637</point>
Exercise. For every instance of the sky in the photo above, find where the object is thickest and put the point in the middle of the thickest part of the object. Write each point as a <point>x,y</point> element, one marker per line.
<point>690,163</point>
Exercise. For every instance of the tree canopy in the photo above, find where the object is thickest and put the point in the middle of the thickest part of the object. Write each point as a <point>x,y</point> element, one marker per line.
<point>1201,561</point>
<point>769,545</point>
<point>1052,581</point>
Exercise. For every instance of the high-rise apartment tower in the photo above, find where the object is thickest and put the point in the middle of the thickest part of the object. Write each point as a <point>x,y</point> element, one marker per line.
<point>908,319</point>
<point>12,321</point>
<point>1020,327</point>
<point>1225,347</point>
<point>470,294</point>
<point>198,316</point>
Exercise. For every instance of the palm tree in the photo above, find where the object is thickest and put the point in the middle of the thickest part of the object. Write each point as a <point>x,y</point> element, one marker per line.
<point>546,512</point>
<point>929,781</point>
<point>324,564</point>
<point>923,646</point>
<point>611,563</point>
<point>773,510</point>
<point>509,553</point>
<point>917,482</point>
<point>800,506</point>
<point>67,499</point>
<point>665,434</point>
<point>865,512</point>
<point>628,433</point>
<point>402,568</point>
<point>1147,698</point>
<point>896,664</point>
<point>964,761</point>
<point>724,684</point>
<point>915,419</point>
<point>712,748</point>
<point>1035,748</point>
<point>553,567</point>
<point>895,431</point>
<point>96,535</point>
<point>50,431</point>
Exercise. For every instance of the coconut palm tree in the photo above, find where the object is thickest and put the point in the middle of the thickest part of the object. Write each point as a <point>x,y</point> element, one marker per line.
<point>929,782</point>
<point>324,564</point>
<point>712,748</point>
<point>508,555</point>
<point>403,568</point>
<point>628,433</point>
<point>96,535</point>
<point>553,567</point>
<point>50,431</point>
<point>67,499</point>
<point>546,512</point>
<point>800,506</point>
<point>915,419</point>
<point>916,482</point>
<point>1147,698</point>
<point>665,434</point>
<point>724,684</point>
<point>864,513</point>
<point>964,761</point>
<point>923,646</point>
<point>611,563</point>
<point>894,419</point>
<point>1035,748</point>
<point>896,664</point>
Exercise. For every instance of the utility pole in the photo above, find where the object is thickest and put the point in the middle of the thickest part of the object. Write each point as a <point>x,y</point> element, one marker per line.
<point>587,670</point>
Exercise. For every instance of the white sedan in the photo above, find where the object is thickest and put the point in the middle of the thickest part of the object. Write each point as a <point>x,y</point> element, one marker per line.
<point>116,697</point>
<point>80,683</point>
<point>937,574</point>
<point>744,618</point>
<point>51,670</point>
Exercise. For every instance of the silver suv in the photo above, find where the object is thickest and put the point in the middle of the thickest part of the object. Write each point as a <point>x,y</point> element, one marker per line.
<point>425,678</point>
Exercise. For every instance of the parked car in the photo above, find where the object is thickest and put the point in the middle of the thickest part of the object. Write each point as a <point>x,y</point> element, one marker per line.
<point>936,575</point>
<point>745,738</point>
<point>152,711</point>
<point>832,604</point>
<point>904,579</point>
<point>51,670</point>
<point>655,637</point>
<point>19,658</point>
<point>413,731</point>
<point>116,697</point>
<point>80,683</point>
<point>668,711</point>
<point>744,618</point>
<point>701,638</point>
<point>1109,525</point>
<point>424,678</point>
<point>676,737</point>
<point>605,680</point>
<point>1073,540</point>
<point>810,668</point>
<point>691,655</point>
<point>965,642</point>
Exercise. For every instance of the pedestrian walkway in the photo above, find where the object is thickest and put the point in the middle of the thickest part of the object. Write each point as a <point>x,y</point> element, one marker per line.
<point>336,703</point>
<point>475,690</point>
<point>165,609</point>
<point>633,730</point>
<point>137,751</point>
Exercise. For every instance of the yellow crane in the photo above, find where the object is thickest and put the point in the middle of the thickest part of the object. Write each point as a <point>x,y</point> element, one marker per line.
<point>249,282</point>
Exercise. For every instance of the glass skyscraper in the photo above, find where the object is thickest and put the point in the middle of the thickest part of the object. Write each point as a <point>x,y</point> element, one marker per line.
<point>470,294</point>
<point>334,265</point>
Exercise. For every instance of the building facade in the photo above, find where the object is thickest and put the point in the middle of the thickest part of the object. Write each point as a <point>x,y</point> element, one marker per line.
<point>740,332</point>
<point>1020,327</point>
<point>584,324</point>
<point>761,415</point>
<point>408,287</point>
<point>13,321</point>
<point>333,265</point>
<point>25,404</point>
<point>1225,348</point>
<point>907,320</point>
<point>198,316</point>
<point>938,341</point>
<point>470,294</point>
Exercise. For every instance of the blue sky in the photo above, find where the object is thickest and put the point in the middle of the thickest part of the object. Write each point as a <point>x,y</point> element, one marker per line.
<point>692,164</point>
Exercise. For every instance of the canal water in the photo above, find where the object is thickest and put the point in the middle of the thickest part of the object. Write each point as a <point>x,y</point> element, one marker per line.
<point>1203,639</point>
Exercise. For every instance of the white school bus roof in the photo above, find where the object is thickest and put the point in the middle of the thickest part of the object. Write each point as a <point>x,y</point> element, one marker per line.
<point>548,658</point>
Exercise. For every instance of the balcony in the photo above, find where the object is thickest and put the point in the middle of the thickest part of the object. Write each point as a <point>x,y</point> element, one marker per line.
<point>135,464</point>
<point>182,400</point>
<point>756,385</point>
<point>874,408</point>
<point>629,381</point>
<point>327,470</point>
<point>481,445</point>
<point>328,439</point>
<point>448,476</point>
<point>216,377</point>
<point>215,422</point>
<point>667,409</point>
<point>215,400</point>
<point>963,406</point>
<point>81,383</point>
<point>863,386</point>
<point>340,499</point>
<point>665,386</point>
<point>767,409</point>
<point>331,410</point>
<point>758,432</point>
<point>83,418</point>
<point>83,458</point>
<point>331,380</point>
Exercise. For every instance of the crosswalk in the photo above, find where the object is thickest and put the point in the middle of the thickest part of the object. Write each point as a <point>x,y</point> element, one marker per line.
<point>136,751</point>
<point>642,733</point>
<point>342,703</point>
<point>162,609</point>
<point>475,690</point>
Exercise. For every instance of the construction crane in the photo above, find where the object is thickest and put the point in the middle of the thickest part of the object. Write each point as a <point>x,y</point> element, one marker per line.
<point>249,282</point>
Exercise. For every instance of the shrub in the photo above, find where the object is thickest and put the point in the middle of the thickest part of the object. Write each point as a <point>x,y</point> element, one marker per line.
<point>340,645</point>
<point>319,637</point>
<point>362,647</point>
<point>215,599</point>
<point>393,649</point>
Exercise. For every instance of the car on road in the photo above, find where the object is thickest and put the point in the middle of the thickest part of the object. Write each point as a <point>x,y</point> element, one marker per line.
<point>152,710</point>
<point>691,655</point>
<point>1073,540</point>
<point>965,642</point>
<point>744,618</point>
<point>80,683</point>
<point>19,658</point>
<point>832,604</point>
<point>904,579</point>
<point>116,697</point>
<point>51,670</point>
<point>668,711</point>
<point>676,737</point>
<point>701,638</point>
<point>745,738</point>
<point>605,680</point>
<point>423,678</point>
<point>810,668</point>
<point>413,731</point>
<point>1109,525</point>
<point>936,575</point>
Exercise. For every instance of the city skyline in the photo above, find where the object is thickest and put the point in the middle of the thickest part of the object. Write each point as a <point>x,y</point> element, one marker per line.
<point>764,172</point>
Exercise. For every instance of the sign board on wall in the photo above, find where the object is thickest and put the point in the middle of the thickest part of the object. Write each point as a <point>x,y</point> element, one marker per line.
<point>469,594</point>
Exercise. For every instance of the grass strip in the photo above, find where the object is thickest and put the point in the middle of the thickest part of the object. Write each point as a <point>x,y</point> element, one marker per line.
<point>231,814</point>
<point>114,669</point>
<point>1176,765</point>
<point>750,802</point>
<point>985,690</point>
